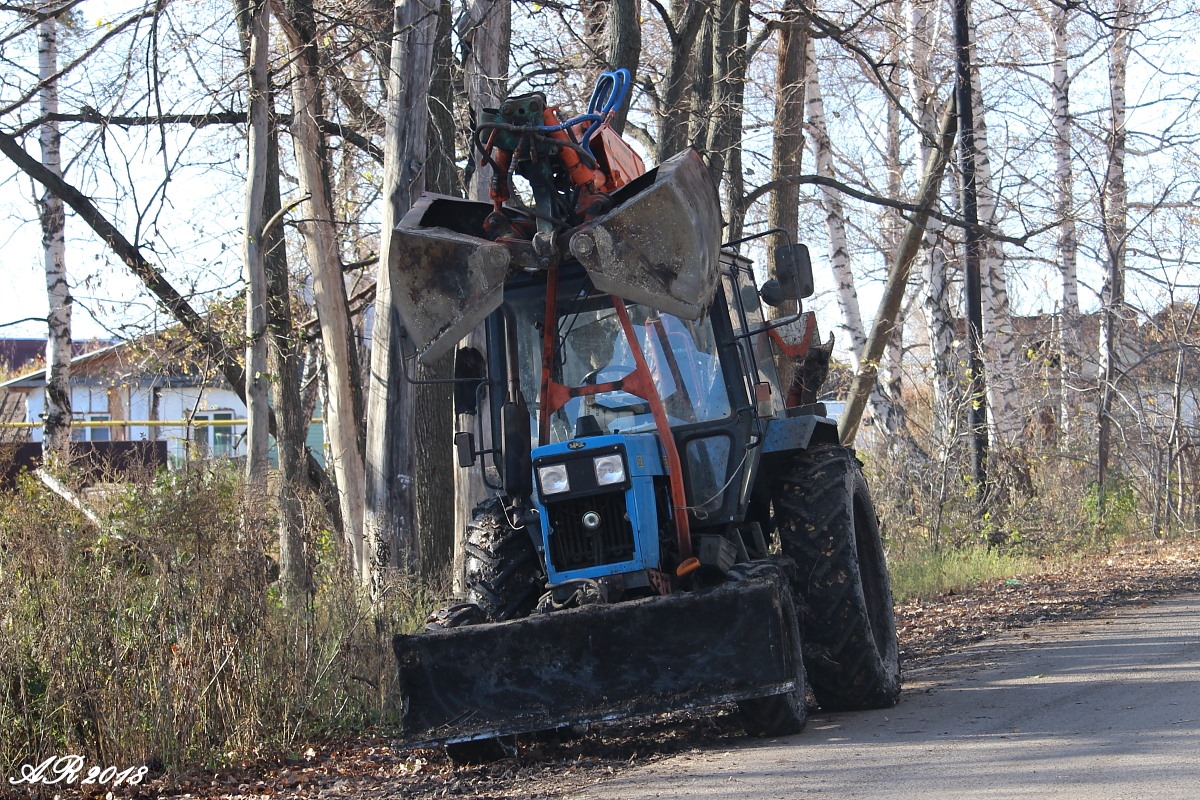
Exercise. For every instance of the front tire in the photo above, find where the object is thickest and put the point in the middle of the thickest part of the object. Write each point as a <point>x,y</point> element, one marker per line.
<point>780,714</point>
<point>503,573</point>
<point>827,524</point>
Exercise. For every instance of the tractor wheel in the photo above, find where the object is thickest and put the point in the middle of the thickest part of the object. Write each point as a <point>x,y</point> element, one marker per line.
<point>780,714</point>
<point>827,524</point>
<point>503,574</point>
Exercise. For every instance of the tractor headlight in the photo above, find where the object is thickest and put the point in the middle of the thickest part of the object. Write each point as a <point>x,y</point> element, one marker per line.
<point>553,479</point>
<point>609,469</point>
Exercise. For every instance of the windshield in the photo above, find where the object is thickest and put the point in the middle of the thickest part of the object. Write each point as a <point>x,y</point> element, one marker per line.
<point>592,348</point>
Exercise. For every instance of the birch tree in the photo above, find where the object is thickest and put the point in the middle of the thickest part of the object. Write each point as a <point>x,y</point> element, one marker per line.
<point>999,343</point>
<point>851,330</point>
<point>1115,207</point>
<point>924,25</point>
<point>1058,20</point>
<point>56,437</point>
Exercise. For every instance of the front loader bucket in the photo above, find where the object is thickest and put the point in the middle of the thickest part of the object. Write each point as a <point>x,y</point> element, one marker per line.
<point>445,280</point>
<point>661,243</point>
<point>599,662</point>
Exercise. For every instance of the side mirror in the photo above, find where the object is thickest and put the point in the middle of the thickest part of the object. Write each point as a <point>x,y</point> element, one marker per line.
<point>793,268</point>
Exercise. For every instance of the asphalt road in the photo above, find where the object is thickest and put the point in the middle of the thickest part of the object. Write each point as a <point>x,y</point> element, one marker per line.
<point>1098,710</point>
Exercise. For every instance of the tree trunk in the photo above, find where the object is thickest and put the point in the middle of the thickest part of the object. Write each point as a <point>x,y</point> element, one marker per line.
<point>433,417</point>
<point>56,431</point>
<point>392,540</point>
<point>939,319</point>
<point>731,28</point>
<point>850,331</point>
<point>891,303</point>
<point>787,143</point>
<point>485,31</point>
<point>329,289</point>
<point>286,369</point>
<point>254,269</point>
<point>999,342</point>
<point>1116,206</point>
<point>1064,207</point>
<point>624,46</point>
<point>683,26</point>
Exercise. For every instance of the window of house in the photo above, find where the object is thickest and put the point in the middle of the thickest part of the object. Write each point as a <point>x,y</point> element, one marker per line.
<point>211,438</point>
<point>90,405</point>
<point>89,433</point>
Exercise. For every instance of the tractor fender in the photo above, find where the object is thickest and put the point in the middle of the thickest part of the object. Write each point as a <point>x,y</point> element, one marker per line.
<point>789,434</point>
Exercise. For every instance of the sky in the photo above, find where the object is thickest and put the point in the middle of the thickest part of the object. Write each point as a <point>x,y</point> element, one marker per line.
<point>195,238</point>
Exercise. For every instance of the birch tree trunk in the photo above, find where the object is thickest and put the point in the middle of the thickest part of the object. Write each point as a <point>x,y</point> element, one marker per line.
<point>254,269</point>
<point>1115,202</point>
<point>56,431</point>
<point>329,289</point>
<point>850,331</point>
<point>887,399</point>
<point>392,541</point>
<point>1064,211</point>
<point>485,31</point>
<point>939,320</point>
<point>999,343</point>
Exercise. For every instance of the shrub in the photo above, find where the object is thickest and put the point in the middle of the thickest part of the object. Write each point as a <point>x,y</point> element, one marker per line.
<point>162,637</point>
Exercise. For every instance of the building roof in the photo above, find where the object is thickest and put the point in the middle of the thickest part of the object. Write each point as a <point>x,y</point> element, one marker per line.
<point>156,358</point>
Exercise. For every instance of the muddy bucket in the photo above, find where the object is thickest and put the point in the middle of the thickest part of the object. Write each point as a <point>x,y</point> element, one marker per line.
<point>445,281</point>
<point>661,243</point>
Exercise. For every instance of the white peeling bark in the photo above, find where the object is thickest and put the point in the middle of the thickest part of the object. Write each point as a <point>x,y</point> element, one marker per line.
<point>1064,212</point>
<point>850,330</point>
<point>936,297</point>
<point>999,342</point>
<point>56,433</point>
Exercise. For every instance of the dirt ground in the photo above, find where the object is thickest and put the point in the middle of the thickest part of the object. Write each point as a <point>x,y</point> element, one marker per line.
<point>372,767</point>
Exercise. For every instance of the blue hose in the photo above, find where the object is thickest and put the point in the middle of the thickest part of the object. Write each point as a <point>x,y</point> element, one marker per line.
<point>609,95</point>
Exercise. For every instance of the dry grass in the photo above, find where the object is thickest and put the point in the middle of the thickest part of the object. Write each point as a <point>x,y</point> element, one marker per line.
<point>162,639</point>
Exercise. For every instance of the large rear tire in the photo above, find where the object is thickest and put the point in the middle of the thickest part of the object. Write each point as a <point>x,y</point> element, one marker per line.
<point>827,525</point>
<point>503,573</point>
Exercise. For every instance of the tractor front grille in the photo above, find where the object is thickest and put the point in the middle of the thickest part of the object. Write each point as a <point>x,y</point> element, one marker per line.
<point>574,546</point>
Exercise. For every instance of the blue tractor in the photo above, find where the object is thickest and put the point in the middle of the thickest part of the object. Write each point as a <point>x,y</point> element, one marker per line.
<point>671,520</point>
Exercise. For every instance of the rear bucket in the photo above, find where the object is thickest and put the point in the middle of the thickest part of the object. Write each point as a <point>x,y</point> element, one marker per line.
<point>445,281</point>
<point>660,245</point>
<point>599,662</point>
